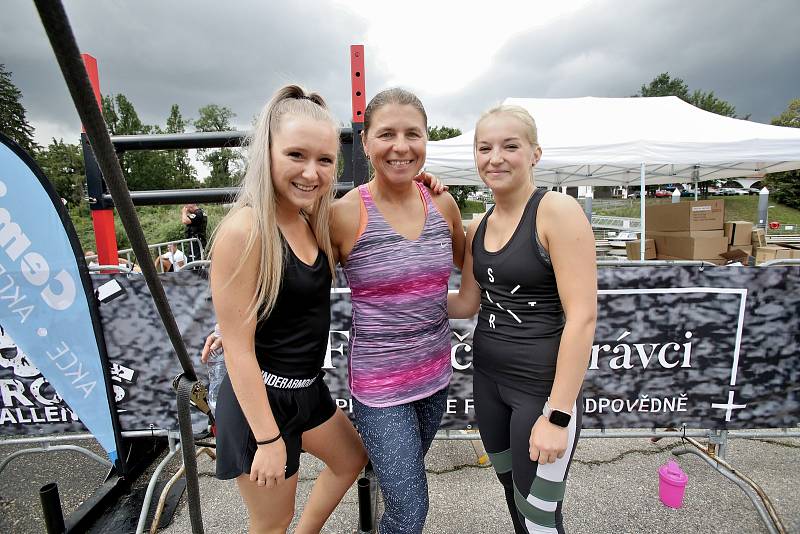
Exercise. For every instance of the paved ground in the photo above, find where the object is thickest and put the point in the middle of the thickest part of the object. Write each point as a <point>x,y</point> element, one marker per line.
<point>613,489</point>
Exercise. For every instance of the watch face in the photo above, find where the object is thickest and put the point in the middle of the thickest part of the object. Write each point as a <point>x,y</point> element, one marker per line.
<point>560,418</point>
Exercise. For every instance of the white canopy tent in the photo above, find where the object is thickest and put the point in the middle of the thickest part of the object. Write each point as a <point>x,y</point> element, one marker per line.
<point>605,141</point>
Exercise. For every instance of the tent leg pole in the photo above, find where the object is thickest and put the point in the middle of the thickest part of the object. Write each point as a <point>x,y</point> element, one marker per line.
<point>641,211</point>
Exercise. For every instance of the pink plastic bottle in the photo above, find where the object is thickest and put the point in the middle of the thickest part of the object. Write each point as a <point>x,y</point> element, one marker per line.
<point>672,484</point>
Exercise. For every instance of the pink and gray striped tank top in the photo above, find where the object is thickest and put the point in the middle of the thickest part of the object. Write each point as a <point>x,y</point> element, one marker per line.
<point>400,336</point>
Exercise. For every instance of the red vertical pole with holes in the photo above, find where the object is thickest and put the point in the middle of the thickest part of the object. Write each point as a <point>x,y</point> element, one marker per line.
<point>102,219</point>
<point>359,99</point>
<point>357,82</point>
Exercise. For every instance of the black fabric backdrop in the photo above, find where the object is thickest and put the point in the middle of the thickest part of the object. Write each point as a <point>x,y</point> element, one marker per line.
<point>665,353</point>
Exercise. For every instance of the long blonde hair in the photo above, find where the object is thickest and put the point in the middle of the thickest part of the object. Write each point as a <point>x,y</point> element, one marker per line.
<point>258,193</point>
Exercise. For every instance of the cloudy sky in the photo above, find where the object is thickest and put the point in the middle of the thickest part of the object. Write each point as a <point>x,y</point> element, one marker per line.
<point>460,57</point>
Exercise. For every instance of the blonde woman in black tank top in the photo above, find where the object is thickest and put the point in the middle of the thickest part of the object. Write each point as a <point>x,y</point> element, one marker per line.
<point>271,269</point>
<point>530,266</point>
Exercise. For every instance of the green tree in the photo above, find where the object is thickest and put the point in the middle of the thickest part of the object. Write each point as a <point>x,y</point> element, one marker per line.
<point>665,85</point>
<point>784,187</point>
<point>222,161</point>
<point>459,192</point>
<point>183,173</point>
<point>13,122</point>
<point>790,117</point>
<point>709,102</point>
<point>62,163</point>
<point>437,133</point>
<point>143,169</point>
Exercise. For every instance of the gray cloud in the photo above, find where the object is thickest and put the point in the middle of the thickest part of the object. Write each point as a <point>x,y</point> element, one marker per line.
<point>186,53</point>
<point>196,53</point>
<point>748,54</point>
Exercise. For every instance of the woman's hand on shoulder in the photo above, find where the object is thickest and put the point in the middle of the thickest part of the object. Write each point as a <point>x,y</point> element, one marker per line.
<point>430,181</point>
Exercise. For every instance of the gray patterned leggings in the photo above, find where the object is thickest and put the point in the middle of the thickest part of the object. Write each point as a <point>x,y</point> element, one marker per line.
<point>397,439</point>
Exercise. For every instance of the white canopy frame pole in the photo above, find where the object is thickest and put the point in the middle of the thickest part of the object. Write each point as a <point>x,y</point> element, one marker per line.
<point>641,209</point>
<point>695,179</point>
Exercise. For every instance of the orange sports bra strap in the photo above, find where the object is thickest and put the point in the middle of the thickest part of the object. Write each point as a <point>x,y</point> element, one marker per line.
<point>363,216</point>
<point>424,195</point>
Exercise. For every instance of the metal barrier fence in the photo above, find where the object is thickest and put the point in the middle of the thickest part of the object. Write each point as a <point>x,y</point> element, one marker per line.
<point>128,259</point>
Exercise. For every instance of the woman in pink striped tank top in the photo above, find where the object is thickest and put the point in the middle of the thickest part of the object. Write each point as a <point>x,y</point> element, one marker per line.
<point>397,244</point>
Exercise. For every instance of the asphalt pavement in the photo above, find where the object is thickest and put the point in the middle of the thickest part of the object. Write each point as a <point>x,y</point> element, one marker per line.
<point>613,488</point>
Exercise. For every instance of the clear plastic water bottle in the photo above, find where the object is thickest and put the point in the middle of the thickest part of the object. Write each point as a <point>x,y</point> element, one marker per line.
<point>216,372</point>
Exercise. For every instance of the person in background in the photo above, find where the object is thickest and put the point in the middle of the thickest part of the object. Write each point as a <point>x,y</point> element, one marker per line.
<point>91,258</point>
<point>530,267</point>
<point>172,260</point>
<point>196,222</point>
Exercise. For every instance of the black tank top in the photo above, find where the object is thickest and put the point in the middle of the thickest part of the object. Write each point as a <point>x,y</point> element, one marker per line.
<point>292,341</point>
<point>520,319</point>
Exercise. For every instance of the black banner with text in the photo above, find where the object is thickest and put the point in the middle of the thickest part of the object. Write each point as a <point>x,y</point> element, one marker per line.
<point>711,348</point>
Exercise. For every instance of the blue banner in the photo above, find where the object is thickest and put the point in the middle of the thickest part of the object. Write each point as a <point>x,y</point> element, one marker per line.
<point>46,299</point>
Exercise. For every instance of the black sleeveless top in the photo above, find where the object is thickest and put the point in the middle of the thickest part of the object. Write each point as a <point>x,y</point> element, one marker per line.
<point>521,319</point>
<point>292,341</point>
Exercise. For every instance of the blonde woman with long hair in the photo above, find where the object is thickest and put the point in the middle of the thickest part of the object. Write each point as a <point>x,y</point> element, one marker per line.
<point>271,271</point>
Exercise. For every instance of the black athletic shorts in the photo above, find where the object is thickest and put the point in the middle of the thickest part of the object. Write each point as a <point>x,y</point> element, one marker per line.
<point>295,411</point>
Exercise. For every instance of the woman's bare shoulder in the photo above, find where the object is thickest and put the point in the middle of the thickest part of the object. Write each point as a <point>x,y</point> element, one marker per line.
<point>346,210</point>
<point>236,228</point>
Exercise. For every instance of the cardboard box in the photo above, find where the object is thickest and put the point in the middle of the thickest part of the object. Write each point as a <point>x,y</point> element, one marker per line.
<point>715,261</point>
<point>633,249</point>
<point>691,248</point>
<point>758,238</point>
<point>747,249</point>
<point>765,254</point>
<point>773,252</point>
<point>687,233</point>
<point>686,216</point>
<point>739,232</point>
<point>794,249</point>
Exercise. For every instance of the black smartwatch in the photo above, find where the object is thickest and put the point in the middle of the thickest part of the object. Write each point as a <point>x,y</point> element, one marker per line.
<point>557,417</point>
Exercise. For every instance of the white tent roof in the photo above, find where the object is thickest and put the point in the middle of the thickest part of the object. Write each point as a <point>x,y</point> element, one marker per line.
<point>604,141</point>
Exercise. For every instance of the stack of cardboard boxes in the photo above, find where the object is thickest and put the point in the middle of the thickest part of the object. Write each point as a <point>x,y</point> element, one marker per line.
<point>772,252</point>
<point>688,230</point>
<point>740,241</point>
<point>697,231</point>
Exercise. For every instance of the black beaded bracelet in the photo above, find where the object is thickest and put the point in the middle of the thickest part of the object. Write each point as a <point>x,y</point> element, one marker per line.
<point>268,441</point>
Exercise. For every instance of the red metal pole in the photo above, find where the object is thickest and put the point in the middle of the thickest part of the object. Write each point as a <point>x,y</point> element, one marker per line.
<point>357,82</point>
<point>102,220</point>
<point>358,94</point>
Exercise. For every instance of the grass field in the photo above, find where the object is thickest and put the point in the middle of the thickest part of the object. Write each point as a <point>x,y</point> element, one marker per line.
<point>740,208</point>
